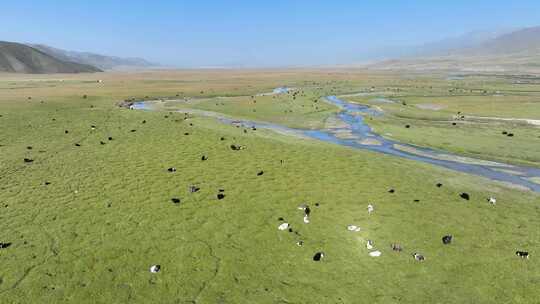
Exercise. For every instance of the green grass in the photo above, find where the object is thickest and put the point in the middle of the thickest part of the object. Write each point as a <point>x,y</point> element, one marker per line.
<point>92,234</point>
<point>431,109</point>
<point>306,110</point>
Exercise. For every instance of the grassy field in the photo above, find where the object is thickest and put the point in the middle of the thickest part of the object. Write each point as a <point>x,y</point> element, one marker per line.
<point>296,109</point>
<point>434,108</point>
<point>86,222</point>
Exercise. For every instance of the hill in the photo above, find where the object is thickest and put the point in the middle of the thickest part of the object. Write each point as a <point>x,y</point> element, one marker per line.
<point>516,51</point>
<point>101,61</point>
<point>20,58</point>
<point>522,41</point>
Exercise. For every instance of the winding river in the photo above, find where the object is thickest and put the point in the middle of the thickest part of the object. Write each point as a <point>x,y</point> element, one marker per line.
<point>351,131</point>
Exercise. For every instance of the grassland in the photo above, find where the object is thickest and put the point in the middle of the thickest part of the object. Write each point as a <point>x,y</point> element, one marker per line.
<point>453,116</point>
<point>295,109</point>
<point>91,235</point>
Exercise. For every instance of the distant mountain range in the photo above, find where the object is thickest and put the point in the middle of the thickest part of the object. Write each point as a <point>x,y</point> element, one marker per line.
<point>100,61</point>
<point>42,59</point>
<point>20,58</point>
<point>517,50</point>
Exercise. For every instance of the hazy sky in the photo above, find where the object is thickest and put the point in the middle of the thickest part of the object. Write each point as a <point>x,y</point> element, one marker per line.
<point>255,32</point>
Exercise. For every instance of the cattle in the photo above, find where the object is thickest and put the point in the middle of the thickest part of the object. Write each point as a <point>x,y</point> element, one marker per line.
<point>504,133</point>
<point>391,191</point>
<point>353,228</point>
<point>369,244</point>
<point>510,135</point>
<point>447,239</point>
<point>175,200</point>
<point>28,160</point>
<point>220,196</point>
<point>29,147</point>
<point>418,257</point>
<point>66,132</point>
<point>416,200</point>
<point>465,196</point>
<point>522,254</point>
<point>204,157</point>
<point>77,145</point>
<point>306,219</point>
<point>155,268</point>
<point>260,173</point>
<point>144,121</point>
<point>283,226</point>
<point>47,183</point>
<point>396,247</point>
<point>4,245</point>
<point>375,253</point>
<point>407,126</point>
<point>307,210</point>
<point>300,243</point>
<point>101,142</point>
<point>281,219</point>
<point>222,138</point>
<point>133,130</point>
<point>172,169</point>
<point>439,185</point>
<point>370,208</point>
<point>318,256</point>
<point>193,189</point>
<point>110,138</point>
<point>492,200</point>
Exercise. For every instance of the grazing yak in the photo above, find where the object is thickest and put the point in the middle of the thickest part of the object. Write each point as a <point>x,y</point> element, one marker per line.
<point>155,268</point>
<point>522,254</point>
<point>318,256</point>
<point>375,253</point>
<point>4,245</point>
<point>369,244</point>
<point>447,239</point>
<point>283,226</point>
<point>418,257</point>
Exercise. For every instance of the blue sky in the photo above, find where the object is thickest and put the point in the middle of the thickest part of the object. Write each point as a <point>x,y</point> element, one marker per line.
<point>253,33</point>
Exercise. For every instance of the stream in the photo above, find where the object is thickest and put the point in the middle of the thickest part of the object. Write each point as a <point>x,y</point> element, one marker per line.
<point>352,131</point>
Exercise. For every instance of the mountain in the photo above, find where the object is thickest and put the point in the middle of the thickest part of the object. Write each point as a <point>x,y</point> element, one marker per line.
<point>522,41</point>
<point>97,60</point>
<point>468,40</point>
<point>20,58</point>
<point>516,51</point>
